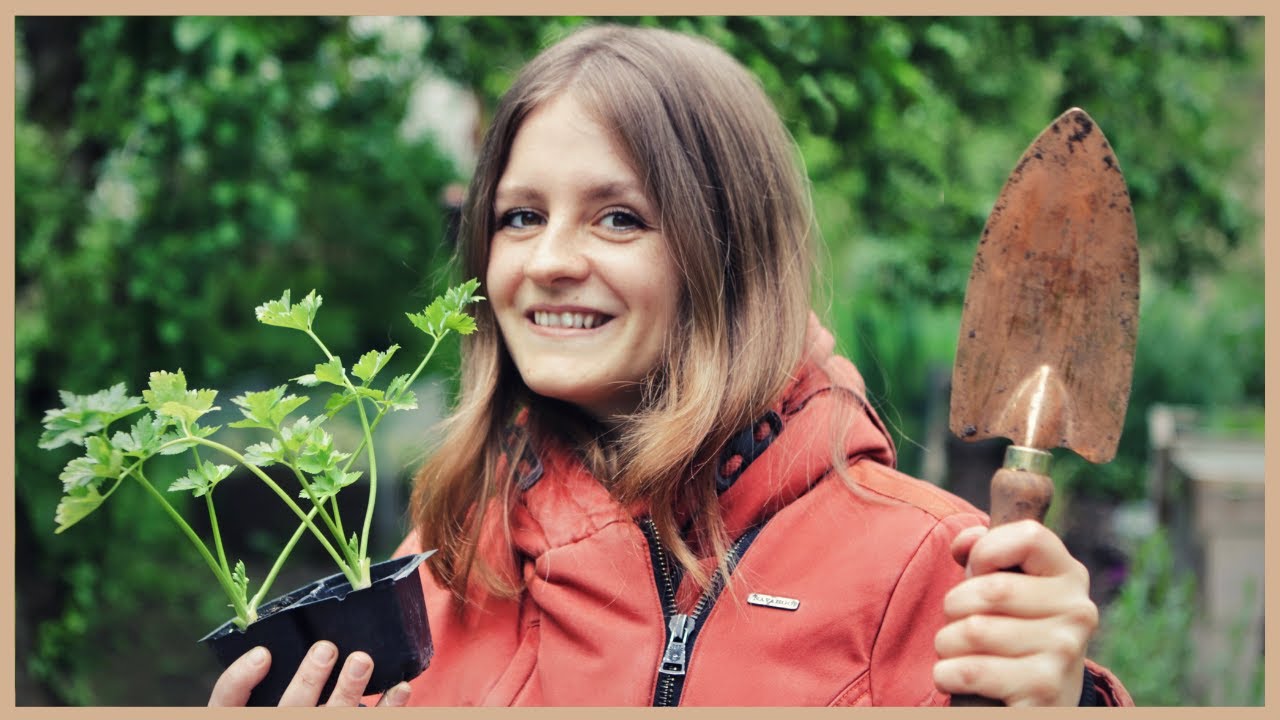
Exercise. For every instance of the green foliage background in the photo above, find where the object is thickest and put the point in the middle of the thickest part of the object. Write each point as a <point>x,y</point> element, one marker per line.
<point>172,173</point>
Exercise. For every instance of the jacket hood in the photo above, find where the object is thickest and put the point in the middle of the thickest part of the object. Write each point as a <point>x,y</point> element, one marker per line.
<point>823,414</point>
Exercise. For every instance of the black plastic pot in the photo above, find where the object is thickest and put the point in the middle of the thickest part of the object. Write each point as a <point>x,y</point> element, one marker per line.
<point>387,620</point>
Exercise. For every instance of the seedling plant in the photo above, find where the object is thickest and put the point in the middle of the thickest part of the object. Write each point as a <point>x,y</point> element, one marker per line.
<point>170,424</point>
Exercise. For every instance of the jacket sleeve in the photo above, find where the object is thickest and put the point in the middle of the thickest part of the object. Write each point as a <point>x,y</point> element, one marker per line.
<point>1102,688</point>
<point>903,655</point>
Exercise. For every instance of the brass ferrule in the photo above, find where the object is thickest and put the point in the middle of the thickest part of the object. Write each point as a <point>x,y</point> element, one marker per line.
<point>1017,457</point>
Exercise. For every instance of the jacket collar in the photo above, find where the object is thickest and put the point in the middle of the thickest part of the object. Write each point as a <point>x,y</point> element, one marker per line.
<point>823,412</point>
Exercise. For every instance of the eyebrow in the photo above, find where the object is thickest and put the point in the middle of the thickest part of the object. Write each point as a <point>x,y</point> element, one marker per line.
<point>597,192</point>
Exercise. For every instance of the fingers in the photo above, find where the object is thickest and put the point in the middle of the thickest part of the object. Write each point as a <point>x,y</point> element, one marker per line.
<point>238,680</point>
<point>1019,637</point>
<point>1027,545</point>
<point>304,689</point>
<point>397,696</point>
<point>1011,637</point>
<point>351,682</point>
<point>1022,596</point>
<point>1035,680</point>
<point>963,542</point>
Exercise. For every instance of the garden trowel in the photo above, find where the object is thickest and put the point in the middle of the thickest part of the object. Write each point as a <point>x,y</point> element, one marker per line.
<point>1050,322</point>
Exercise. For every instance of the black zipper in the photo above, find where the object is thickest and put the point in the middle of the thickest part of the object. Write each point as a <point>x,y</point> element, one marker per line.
<point>682,629</point>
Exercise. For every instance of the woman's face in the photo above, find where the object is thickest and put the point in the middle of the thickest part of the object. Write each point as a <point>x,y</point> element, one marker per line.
<point>580,279</point>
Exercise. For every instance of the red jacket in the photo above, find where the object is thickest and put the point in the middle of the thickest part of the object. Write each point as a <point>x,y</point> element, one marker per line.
<point>835,600</point>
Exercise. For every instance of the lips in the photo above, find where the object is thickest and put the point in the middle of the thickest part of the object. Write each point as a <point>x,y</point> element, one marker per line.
<point>568,319</point>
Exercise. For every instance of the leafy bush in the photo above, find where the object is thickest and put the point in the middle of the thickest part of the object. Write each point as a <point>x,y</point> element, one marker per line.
<point>1145,633</point>
<point>179,167</point>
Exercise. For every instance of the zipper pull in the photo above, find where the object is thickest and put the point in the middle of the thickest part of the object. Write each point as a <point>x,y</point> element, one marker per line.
<point>674,658</point>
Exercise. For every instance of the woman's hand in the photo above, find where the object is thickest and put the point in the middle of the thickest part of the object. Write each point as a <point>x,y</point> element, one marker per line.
<point>1019,637</point>
<point>240,677</point>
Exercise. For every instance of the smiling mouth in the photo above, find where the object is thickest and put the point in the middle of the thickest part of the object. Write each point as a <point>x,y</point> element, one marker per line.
<point>569,320</point>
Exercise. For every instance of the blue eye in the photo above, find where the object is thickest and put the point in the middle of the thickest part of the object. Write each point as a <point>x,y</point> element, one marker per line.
<point>519,219</point>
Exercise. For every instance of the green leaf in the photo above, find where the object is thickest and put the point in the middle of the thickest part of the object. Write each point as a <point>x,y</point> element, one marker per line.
<point>144,438</point>
<point>317,454</point>
<point>101,460</point>
<point>266,409</point>
<point>282,314</point>
<point>240,578</point>
<point>265,453</point>
<point>337,401</point>
<point>78,473</point>
<point>75,505</point>
<point>299,433</point>
<point>372,362</point>
<point>201,479</point>
<point>167,396</point>
<point>447,312</point>
<point>83,415</point>
<point>330,483</point>
<point>398,396</point>
<point>329,372</point>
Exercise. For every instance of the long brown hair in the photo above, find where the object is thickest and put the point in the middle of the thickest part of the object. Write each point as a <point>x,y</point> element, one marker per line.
<point>734,206</point>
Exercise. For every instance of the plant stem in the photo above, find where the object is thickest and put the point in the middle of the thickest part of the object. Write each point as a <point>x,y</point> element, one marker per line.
<point>279,563</point>
<point>213,519</point>
<point>244,615</point>
<point>334,523</point>
<point>346,569</point>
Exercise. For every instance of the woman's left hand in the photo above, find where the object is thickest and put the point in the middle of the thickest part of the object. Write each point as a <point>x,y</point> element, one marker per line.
<point>1018,637</point>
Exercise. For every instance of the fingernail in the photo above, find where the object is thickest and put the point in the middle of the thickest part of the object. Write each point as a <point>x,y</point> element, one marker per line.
<point>398,694</point>
<point>324,651</point>
<point>359,664</point>
<point>258,655</point>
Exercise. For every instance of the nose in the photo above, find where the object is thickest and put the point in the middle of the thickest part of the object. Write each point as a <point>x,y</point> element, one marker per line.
<point>556,256</point>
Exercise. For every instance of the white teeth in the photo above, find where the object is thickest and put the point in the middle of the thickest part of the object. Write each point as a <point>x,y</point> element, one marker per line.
<point>585,321</point>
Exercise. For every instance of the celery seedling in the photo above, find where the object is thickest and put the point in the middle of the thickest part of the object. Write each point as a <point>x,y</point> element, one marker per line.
<point>170,424</point>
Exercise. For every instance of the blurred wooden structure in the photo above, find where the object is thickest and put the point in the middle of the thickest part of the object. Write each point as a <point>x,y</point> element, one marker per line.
<point>1207,490</point>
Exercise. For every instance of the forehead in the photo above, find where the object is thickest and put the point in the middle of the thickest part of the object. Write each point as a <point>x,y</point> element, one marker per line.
<point>563,141</point>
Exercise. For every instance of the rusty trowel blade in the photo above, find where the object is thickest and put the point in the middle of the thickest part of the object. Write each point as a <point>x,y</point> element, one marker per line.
<point>1045,354</point>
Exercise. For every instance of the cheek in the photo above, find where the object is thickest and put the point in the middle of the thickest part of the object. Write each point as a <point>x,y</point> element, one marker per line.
<point>501,277</point>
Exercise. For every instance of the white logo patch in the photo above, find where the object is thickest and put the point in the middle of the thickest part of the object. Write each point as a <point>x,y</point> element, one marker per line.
<point>782,603</point>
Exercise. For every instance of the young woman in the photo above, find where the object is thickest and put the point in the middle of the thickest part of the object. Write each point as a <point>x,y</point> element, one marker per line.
<point>661,486</point>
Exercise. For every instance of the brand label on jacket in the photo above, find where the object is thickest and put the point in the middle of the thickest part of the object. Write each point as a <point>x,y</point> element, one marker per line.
<point>773,601</point>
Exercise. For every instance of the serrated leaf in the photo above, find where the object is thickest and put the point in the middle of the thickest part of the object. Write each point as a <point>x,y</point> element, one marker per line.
<point>337,401</point>
<point>267,408</point>
<point>78,473</point>
<point>282,314</point>
<point>317,454</point>
<point>168,396</point>
<point>372,362</point>
<point>331,372</point>
<point>330,483</point>
<point>75,505</point>
<point>461,323</point>
<point>448,312</point>
<point>298,433</point>
<point>240,578</point>
<point>83,415</point>
<point>264,453</point>
<point>101,460</point>
<point>177,447</point>
<point>201,479</point>
<point>398,396</point>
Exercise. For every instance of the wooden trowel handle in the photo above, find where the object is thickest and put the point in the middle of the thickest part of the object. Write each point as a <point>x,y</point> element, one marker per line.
<point>1017,493</point>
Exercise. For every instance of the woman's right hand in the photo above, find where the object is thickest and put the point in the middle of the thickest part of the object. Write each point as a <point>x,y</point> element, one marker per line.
<point>240,677</point>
